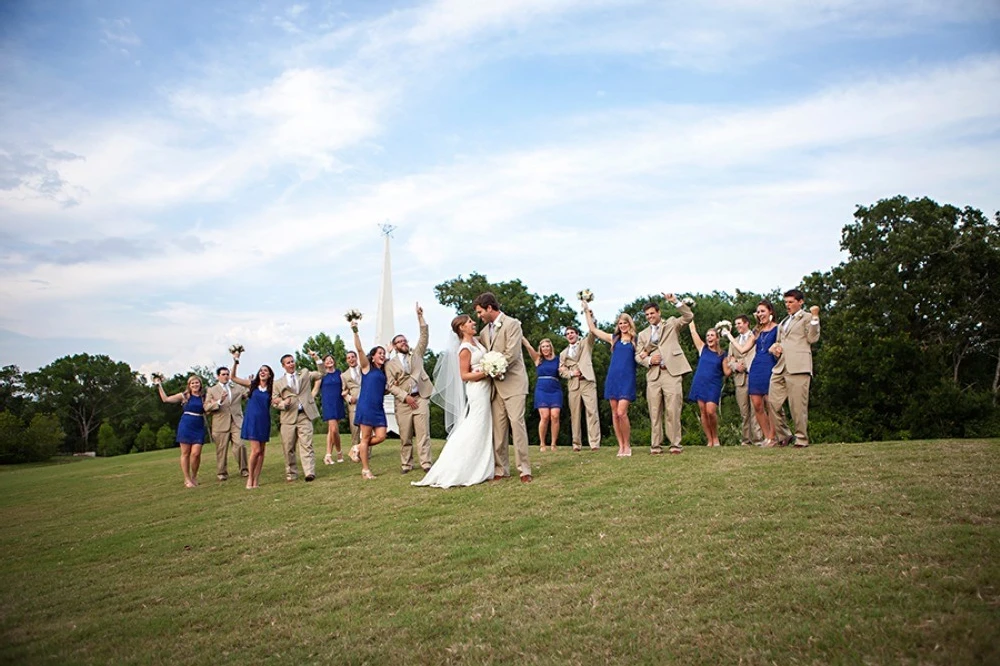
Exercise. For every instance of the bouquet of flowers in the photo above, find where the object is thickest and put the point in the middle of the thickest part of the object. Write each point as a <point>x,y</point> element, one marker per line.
<point>352,315</point>
<point>236,349</point>
<point>586,295</point>
<point>688,301</point>
<point>156,377</point>
<point>494,364</point>
<point>724,324</point>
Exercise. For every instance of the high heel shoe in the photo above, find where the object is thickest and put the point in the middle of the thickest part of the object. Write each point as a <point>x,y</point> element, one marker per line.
<point>768,444</point>
<point>367,475</point>
<point>353,454</point>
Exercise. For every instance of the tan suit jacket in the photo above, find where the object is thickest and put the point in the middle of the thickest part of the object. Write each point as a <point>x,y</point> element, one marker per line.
<point>231,413</point>
<point>669,346</point>
<point>735,356</point>
<point>584,362</point>
<point>507,336</point>
<point>352,388</point>
<point>796,344</point>
<point>401,383</point>
<point>304,397</point>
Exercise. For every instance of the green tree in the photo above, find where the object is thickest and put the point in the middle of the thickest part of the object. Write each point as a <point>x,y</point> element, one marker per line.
<point>322,344</point>
<point>164,437</point>
<point>11,438</point>
<point>36,443</point>
<point>13,395</point>
<point>146,439</point>
<point>45,436</point>
<point>83,390</point>
<point>108,442</point>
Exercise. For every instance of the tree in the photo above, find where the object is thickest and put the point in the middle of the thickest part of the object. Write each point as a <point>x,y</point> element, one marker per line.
<point>108,442</point>
<point>164,437</point>
<point>322,345</point>
<point>83,390</point>
<point>146,439</point>
<point>13,396</point>
<point>45,436</point>
<point>36,443</point>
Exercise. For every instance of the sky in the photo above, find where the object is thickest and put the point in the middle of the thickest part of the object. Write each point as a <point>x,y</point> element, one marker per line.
<point>176,177</point>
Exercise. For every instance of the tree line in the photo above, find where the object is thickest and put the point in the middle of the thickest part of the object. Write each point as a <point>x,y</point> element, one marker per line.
<point>910,347</point>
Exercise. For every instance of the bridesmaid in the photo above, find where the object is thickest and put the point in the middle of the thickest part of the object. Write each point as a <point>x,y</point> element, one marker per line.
<point>191,428</point>
<point>548,389</point>
<point>619,386</point>
<point>706,388</point>
<point>257,417</point>
<point>764,335</point>
<point>370,413</point>
<point>332,389</point>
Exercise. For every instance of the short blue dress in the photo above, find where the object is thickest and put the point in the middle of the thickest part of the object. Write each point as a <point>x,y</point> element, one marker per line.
<point>330,388</point>
<point>620,383</point>
<point>548,388</point>
<point>708,378</point>
<point>759,377</point>
<point>191,428</point>
<point>370,410</point>
<point>257,418</point>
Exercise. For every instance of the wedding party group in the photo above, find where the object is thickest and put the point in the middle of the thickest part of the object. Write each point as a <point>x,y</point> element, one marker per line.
<point>481,383</point>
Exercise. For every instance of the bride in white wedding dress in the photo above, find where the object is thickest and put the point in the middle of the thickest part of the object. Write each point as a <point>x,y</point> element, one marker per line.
<point>464,392</point>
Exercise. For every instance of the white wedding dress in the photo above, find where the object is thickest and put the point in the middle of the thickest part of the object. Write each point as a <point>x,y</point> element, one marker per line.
<point>467,457</point>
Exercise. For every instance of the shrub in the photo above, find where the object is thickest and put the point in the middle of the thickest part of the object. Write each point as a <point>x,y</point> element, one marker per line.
<point>36,443</point>
<point>108,443</point>
<point>164,437</point>
<point>146,439</point>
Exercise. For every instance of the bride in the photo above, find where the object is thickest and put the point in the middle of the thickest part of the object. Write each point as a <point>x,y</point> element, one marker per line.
<point>467,457</point>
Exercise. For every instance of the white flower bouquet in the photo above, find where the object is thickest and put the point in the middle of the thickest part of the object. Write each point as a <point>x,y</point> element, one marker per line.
<point>236,349</point>
<point>156,377</point>
<point>352,315</point>
<point>688,301</point>
<point>494,364</point>
<point>724,324</point>
<point>585,295</point>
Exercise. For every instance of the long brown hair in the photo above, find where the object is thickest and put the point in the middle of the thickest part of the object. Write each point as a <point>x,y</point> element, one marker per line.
<point>770,308</point>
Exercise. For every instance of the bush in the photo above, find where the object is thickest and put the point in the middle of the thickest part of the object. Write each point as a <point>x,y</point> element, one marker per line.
<point>164,437</point>
<point>36,443</point>
<point>146,439</point>
<point>108,443</point>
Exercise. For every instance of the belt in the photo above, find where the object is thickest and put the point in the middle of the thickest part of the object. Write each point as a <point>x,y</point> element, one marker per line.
<point>548,377</point>
<point>193,414</point>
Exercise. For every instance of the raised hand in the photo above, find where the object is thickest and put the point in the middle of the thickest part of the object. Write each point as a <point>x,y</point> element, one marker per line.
<point>814,311</point>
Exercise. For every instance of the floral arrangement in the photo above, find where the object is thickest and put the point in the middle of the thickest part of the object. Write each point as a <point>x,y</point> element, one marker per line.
<point>494,364</point>
<point>688,301</point>
<point>236,349</point>
<point>724,324</point>
<point>586,295</point>
<point>352,316</point>
<point>156,377</point>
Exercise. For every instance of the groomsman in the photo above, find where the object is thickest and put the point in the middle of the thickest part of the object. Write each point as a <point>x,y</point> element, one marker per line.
<point>351,381</point>
<point>294,400</point>
<point>225,404</point>
<point>411,387</point>
<point>502,333</point>
<point>659,349</point>
<point>739,363</point>
<point>792,374</point>
<point>576,364</point>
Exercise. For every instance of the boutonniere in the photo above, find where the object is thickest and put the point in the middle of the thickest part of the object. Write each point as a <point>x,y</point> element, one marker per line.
<point>496,325</point>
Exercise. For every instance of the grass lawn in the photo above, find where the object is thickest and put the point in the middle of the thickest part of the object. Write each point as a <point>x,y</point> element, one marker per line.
<point>883,553</point>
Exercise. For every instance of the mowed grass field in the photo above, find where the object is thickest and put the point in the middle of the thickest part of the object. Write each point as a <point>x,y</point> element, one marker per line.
<point>880,553</point>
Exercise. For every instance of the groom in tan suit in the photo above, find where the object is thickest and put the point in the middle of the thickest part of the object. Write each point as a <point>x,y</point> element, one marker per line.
<point>225,404</point>
<point>294,400</point>
<point>576,364</point>
<point>410,385</point>
<point>503,334</point>
<point>659,349</point>
<point>792,374</point>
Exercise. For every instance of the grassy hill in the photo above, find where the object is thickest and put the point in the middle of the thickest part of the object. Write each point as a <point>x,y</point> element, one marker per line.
<point>880,553</point>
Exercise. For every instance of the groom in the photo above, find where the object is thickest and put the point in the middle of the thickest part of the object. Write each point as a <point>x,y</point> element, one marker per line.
<point>503,334</point>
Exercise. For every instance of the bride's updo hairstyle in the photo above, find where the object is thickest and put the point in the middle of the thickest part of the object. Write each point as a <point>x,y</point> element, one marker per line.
<point>457,323</point>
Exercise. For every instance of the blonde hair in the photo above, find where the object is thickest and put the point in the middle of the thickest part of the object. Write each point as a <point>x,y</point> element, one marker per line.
<point>187,388</point>
<point>551,346</point>
<point>631,326</point>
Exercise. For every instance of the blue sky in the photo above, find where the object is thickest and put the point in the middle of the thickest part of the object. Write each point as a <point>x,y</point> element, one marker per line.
<point>176,177</point>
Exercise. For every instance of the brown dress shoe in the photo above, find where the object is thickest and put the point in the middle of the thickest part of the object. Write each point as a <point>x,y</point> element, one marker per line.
<point>526,478</point>
<point>498,477</point>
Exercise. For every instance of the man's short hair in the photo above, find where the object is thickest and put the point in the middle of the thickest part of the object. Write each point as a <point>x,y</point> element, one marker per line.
<point>650,304</point>
<point>352,352</point>
<point>573,328</point>
<point>796,294</point>
<point>282,360</point>
<point>487,300</point>
<point>218,371</point>
<point>397,337</point>
<point>744,318</point>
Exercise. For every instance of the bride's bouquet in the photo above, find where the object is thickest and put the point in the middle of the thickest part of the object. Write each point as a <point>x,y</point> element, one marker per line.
<point>688,301</point>
<point>234,349</point>
<point>724,324</point>
<point>156,377</point>
<point>494,364</point>
<point>586,295</point>
<point>352,315</point>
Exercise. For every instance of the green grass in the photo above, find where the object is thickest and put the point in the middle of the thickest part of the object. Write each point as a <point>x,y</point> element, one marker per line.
<point>882,553</point>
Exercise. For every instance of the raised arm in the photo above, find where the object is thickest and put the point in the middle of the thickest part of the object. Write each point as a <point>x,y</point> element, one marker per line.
<point>698,342</point>
<point>734,344</point>
<point>421,346</point>
<point>596,332</point>
<point>535,356</point>
<point>687,316</point>
<point>362,357</point>
<point>175,398</point>
<point>812,333</point>
<point>232,373</point>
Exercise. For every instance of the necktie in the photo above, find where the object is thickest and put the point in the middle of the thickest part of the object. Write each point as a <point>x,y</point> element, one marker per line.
<point>491,332</point>
<point>572,351</point>
<point>292,381</point>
